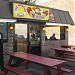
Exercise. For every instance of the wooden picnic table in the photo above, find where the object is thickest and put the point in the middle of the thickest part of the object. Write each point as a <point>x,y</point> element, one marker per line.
<point>44,61</point>
<point>59,51</point>
<point>63,53</point>
<point>63,49</point>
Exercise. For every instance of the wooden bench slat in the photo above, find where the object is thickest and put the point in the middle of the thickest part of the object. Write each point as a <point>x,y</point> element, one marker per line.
<point>15,70</point>
<point>67,59</point>
<point>64,69</point>
<point>71,54</point>
<point>2,73</point>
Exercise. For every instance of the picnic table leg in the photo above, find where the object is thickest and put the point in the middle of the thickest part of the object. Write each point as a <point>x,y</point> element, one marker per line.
<point>59,53</point>
<point>9,63</point>
<point>10,60</point>
<point>22,62</point>
<point>46,70</point>
<point>59,70</point>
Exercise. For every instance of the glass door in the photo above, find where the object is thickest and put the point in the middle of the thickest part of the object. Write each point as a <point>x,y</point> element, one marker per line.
<point>20,37</point>
<point>34,39</point>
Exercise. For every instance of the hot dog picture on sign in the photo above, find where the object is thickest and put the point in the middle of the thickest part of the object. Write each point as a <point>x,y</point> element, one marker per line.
<point>37,13</point>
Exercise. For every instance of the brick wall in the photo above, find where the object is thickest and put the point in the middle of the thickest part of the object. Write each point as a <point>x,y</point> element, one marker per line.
<point>8,46</point>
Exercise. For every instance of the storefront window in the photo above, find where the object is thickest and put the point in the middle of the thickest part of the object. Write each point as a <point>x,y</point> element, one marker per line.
<point>3,30</point>
<point>55,33</point>
<point>20,37</point>
<point>21,30</point>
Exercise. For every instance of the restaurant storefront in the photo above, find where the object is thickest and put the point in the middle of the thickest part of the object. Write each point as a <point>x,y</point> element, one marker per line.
<point>28,31</point>
<point>26,28</point>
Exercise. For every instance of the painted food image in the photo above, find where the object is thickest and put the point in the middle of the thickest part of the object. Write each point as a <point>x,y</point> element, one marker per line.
<point>22,12</point>
<point>37,13</point>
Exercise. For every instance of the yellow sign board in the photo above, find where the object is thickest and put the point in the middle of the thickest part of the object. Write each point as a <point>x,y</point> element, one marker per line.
<point>30,12</point>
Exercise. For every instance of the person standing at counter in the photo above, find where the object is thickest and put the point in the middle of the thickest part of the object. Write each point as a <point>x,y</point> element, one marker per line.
<point>53,37</point>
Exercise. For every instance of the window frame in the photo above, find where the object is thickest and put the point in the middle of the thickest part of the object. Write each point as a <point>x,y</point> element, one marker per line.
<point>6,30</point>
<point>63,30</point>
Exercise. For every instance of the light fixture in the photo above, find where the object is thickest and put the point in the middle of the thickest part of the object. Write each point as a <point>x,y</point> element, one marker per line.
<point>44,28</point>
<point>8,20</point>
<point>11,27</point>
<point>67,28</point>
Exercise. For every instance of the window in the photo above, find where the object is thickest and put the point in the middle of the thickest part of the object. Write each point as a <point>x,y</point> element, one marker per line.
<point>3,30</point>
<point>21,30</point>
<point>55,33</point>
<point>62,32</point>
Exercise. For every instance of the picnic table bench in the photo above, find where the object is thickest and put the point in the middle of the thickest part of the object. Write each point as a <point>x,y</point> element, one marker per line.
<point>10,68</point>
<point>2,73</point>
<point>62,58</point>
<point>64,69</point>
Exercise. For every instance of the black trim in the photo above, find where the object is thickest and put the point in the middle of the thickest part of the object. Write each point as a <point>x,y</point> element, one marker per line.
<point>1,53</point>
<point>6,25</point>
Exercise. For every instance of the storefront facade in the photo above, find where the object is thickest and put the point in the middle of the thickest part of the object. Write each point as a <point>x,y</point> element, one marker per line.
<point>25,30</point>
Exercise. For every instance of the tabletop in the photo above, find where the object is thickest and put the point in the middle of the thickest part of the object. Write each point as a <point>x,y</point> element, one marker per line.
<point>68,46</point>
<point>37,59</point>
<point>63,49</point>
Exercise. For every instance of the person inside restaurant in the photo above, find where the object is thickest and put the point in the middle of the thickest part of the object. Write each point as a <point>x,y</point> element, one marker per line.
<point>53,37</point>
